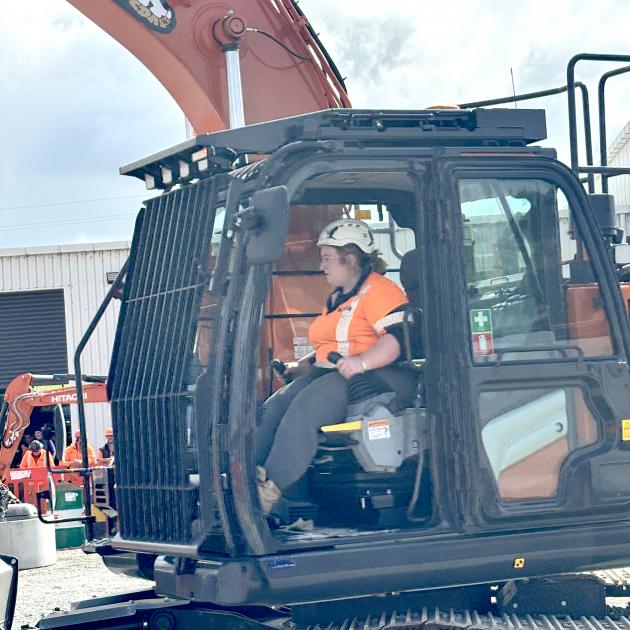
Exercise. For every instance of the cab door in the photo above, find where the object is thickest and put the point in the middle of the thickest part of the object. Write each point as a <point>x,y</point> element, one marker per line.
<point>544,372</point>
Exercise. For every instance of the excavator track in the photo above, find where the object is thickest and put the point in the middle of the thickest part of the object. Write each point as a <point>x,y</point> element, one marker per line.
<point>616,583</point>
<point>472,620</point>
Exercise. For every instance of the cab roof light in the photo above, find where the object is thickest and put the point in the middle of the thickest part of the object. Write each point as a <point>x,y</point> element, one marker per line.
<point>184,169</point>
<point>203,165</point>
<point>199,155</point>
<point>149,180</point>
<point>167,175</point>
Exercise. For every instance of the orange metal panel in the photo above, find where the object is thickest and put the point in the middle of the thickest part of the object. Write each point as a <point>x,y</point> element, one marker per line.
<point>536,476</point>
<point>588,324</point>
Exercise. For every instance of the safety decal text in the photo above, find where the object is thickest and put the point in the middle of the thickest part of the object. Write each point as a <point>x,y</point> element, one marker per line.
<point>378,429</point>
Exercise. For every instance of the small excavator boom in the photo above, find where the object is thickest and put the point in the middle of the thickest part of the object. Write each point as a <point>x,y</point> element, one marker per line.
<point>20,398</point>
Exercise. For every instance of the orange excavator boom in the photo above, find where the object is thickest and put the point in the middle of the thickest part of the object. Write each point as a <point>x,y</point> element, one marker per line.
<point>284,69</point>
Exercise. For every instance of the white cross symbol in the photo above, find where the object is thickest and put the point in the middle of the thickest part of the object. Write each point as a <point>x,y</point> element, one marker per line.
<point>480,319</point>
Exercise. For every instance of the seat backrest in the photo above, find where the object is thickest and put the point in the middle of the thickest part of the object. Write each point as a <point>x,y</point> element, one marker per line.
<point>409,277</point>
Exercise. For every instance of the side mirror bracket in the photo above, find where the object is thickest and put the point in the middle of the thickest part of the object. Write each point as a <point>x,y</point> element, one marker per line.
<point>267,218</point>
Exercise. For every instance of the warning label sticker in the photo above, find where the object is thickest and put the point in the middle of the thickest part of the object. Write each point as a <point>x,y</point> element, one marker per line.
<point>482,344</point>
<point>625,430</point>
<point>378,430</point>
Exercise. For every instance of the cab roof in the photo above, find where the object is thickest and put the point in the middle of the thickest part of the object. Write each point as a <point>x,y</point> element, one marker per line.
<point>210,153</point>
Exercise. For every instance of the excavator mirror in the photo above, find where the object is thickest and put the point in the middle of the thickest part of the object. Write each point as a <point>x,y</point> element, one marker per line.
<point>270,209</point>
<point>603,206</point>
<point>8,590</point>
<point>622,254</point>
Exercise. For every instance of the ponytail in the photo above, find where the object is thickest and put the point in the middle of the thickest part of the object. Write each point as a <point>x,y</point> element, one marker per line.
<point>377,263</point>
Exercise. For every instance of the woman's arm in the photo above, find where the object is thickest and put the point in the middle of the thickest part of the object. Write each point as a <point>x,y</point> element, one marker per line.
<point>385,351</point>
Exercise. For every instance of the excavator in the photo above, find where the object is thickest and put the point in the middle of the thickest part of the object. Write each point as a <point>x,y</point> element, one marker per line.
<point>500,498</point>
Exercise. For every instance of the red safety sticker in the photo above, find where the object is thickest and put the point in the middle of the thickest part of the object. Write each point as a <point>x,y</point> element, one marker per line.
<point>483,344</point>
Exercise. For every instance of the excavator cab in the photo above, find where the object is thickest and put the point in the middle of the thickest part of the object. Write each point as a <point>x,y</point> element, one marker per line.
<point>514,445</point>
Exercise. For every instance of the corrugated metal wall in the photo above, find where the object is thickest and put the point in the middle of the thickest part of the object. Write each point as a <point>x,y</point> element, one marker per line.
<point>619,155</point>
<point>80,270</point>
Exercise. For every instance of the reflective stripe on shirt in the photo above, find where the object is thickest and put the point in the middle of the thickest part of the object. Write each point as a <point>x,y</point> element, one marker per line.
<point>343,326</point>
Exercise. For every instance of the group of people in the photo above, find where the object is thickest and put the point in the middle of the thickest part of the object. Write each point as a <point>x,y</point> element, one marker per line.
<point>35,450</point>
<point>32,445</point>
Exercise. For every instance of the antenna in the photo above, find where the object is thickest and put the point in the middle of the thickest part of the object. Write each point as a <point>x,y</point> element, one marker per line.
<point>513,88</point>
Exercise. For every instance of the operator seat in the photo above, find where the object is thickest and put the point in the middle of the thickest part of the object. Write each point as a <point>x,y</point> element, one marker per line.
<point>366,467</point>
<point>410,280</point>
<point>410,277</point>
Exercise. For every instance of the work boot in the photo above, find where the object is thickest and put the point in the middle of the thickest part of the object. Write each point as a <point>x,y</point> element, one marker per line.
<point>268,492</point>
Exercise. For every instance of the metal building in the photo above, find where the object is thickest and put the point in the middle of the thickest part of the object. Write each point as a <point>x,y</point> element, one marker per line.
<point>619,155</point>
<point>48,296</point>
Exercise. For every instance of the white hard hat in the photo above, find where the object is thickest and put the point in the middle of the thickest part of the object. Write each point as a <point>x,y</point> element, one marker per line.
<point>348,232</point>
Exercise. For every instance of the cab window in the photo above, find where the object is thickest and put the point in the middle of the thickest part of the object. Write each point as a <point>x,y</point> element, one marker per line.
<point>531,289</point>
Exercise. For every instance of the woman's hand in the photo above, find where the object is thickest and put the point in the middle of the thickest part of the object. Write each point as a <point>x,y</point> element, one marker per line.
<point>350,366</point>
<point>382,353</point>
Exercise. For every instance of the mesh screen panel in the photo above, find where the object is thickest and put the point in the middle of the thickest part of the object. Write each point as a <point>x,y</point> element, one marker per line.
<point>153,348</point>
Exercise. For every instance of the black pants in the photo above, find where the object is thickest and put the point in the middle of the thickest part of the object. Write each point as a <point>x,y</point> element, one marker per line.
<point>286,439</point>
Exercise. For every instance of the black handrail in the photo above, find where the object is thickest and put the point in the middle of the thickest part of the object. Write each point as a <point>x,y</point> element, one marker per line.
<point>85,471</point>
<point>540,348</point>
<point>586,111</point>
<point>571,83</point>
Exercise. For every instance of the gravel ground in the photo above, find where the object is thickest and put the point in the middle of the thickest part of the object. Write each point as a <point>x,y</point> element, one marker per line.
<point>76,576</point>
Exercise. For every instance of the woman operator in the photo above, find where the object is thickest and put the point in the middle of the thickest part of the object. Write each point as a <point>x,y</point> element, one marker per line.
<point>362,322</point>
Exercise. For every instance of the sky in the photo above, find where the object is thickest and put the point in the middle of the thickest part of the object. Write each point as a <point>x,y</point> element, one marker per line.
<point>76,105</point>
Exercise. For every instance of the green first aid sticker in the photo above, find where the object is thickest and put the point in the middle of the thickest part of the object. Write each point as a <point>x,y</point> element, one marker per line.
<point>480,320</point>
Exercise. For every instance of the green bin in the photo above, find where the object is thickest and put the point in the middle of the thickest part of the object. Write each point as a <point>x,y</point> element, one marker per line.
<point>68,504</point>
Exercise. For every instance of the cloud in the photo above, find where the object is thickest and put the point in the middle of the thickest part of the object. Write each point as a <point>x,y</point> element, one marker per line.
<point>466,55</point>
<point>78,106</point>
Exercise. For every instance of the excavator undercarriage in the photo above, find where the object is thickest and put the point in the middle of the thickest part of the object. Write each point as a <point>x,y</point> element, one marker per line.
<point>578,602</point>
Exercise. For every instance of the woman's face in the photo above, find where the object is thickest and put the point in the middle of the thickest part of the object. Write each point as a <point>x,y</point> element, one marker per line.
<point>337,273</point>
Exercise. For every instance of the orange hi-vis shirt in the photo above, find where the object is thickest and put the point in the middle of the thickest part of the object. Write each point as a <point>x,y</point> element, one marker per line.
<point>356,324</point>
<point>72,452</point>
<point>28,461</point>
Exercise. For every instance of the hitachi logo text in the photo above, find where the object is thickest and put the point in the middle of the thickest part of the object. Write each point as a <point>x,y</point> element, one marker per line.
<point>66,398</point>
